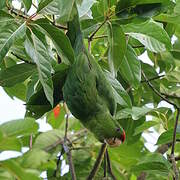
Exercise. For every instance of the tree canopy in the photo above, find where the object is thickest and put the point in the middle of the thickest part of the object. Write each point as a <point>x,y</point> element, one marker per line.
<point>137,46</point>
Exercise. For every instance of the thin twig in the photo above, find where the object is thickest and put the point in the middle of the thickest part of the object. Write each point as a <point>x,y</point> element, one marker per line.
<point>66,148</point>
<point>98,162</point>
<point>109,166</point>
<point>170,96</point>
<point>157,92</point>
<point>79,135</point>
<point>58,162</point>
<point>99,27</point>
<point>154,78</point>
<point>18,57</point>
<point>100,37</point>
<point>30,141</point>
<point>176,172</point>
<point>105,165</point>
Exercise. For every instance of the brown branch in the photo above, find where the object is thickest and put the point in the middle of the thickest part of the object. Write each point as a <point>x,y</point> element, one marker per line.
<point>100,37</point>
<point>154,78</point>
<point>99,27</point>
<point>157,92</point>
<point>98,162</point>
<point>79,135</point>
<point>30,141</point>
<point>109,166</point>
<point>105,165</point>
<point>66,148</point>
<point>175,168</point>
<point>170,96</point>
<point>58,162</point>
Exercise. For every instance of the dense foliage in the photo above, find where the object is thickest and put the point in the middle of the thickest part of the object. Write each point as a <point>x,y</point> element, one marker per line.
<point>35,56</point>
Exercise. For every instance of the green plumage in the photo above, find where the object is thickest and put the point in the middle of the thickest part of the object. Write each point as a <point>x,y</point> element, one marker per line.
<point>88,93</point>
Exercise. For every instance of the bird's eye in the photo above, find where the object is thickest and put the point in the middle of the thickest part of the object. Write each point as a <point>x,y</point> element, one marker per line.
<point>118,129</point>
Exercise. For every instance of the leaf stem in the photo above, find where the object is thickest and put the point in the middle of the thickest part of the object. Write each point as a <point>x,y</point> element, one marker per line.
<point>157,92</point>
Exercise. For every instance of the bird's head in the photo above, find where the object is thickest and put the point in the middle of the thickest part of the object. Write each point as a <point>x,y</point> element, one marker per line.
<point>118,139</point>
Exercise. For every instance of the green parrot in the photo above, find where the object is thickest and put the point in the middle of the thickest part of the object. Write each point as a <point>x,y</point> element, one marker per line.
<point>88,94</point>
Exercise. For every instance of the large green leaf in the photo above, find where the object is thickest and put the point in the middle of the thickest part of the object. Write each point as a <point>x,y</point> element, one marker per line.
<point>38,104</point>
<point>59,7</point>
<point>27,4</point>
<point>121,96</point>
<point>5,18</point>
<point>8,34</point>
<point>2,4</point>
<point>18,91</point>
<point>37,50</point>
<point>35,159</point>
<point>16,74</point>
<point>167,136</point>
<point>135,113</point>
<point>85,7</point>
<point>154,163</point>
<point>146,125</point>
<point>47,139</point>
<point>130,68</point>
<point>17,171</point>
<point>60,40</point>
<point>10,143</point>
<point>19,127</point>
<point>117,46</point>
<point>151,34</point>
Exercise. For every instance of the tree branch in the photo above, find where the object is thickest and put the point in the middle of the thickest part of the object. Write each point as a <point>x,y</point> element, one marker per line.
<point>157,92</point>
<point>99,27</point>
<point>109,166</point>
<point>173,147</point>
<point>98,162</point>
<point>154,78</point>
<point>66,148</point>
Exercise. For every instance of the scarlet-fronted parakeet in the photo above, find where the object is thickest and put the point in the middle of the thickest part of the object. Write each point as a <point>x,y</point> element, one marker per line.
<point>88,94</point>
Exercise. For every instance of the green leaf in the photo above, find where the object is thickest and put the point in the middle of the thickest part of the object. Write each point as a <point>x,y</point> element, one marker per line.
<point>85,7</point>
<point>117,47</point>
<point>19,127</point>
<point>5,18</point>
<point>144,126</point>
<point>151,34</point>
<point>18,91</point>
<point>58,7</point>
<point>60,40</point>
<point>16,74</point>
<point>8,34</point>
<point>2,4</point>
<point>17,171</point>
<point>39,53</point>
<point>136,113</point>
<point>130,68</point>
<point>10,143</point>
<point>167,136</point>
<point>35,159</point>
<point>47,139</point>
<point>27,4</point>
<point>154,163</point>
<point>121,96</point>
<point>37,104</point>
